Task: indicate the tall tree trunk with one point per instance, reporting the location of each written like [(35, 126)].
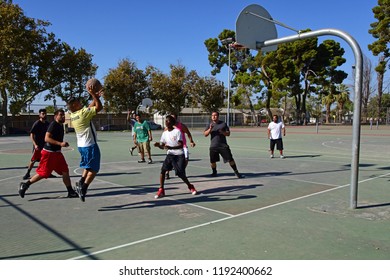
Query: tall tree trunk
[(380, 93), (327, 113), (268, 104), (4, 112)]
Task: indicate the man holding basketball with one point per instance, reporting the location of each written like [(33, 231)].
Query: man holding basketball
[(275, 130), (81, 118)]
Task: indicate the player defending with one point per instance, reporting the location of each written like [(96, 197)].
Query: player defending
[(81, 118), (51, 157), (184, 130), (218, 144), (171, 140), (37, 135)]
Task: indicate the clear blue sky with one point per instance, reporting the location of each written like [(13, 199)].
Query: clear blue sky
[(160, 33)]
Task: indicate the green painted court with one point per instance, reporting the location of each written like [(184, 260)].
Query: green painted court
[(292, 208)]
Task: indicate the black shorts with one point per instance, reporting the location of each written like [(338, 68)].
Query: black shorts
[(224, 151), (174, 162), (278, 143)]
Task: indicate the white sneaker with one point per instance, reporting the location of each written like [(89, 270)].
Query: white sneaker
[(271, 156), (282, 156)]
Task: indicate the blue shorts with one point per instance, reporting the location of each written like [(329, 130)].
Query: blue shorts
[(90, 157)]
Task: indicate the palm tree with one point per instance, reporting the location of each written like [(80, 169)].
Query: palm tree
[(342, 97), (328, 100)]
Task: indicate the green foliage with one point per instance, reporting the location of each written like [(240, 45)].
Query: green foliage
[(380, 29), (33, 61), (244, 76), (208, 93), (372, 108), (50, 109), (169, 91), (125, 87)]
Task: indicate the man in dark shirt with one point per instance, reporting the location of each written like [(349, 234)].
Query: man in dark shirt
[(52, 158), (218, 145), (37, 135)]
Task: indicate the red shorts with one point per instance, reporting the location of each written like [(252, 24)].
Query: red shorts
[(36, 156), (52, 161)]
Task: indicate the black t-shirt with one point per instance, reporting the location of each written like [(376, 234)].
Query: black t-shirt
[(39, 130), (57, 133), (218, 139)]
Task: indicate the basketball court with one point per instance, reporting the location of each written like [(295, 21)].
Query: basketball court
[(284, 209)]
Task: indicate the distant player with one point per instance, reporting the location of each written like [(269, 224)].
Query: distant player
[(52, 158), (142, 137), (37, 135), (275, 130)]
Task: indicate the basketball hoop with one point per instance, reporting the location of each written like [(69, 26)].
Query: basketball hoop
[(252, 32)]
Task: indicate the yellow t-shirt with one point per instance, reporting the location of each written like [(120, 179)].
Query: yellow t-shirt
[(83, 126)]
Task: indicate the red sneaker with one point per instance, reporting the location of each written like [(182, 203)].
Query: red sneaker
[(160, 193), (193, 190)]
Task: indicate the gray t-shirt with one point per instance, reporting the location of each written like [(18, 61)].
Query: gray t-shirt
[(218, 139)]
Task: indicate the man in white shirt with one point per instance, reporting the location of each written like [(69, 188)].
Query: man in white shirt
[(171, 140), (275, 130)]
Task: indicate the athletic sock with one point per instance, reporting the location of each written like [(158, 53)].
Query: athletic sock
[(234, 166), (82, 180), (84, 188), (214, 170), (28, 183)]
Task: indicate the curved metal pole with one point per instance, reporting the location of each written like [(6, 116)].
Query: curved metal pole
[(358, 94), (228, 99)]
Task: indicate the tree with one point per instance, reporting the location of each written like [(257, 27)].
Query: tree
[(342, 98), (33, 61), (329, 57), (367, 88), (297, 69), (206, 92), (125, 87), (373, 111), (169, 91), (272, 76), (222, 51), (328, 100), (380, 30), (73, 69)]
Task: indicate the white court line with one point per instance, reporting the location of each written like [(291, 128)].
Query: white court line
[(10, 178), (304, 181), (325, 144), (219, 220)]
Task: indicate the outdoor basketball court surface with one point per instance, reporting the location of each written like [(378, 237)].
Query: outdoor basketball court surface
[(297, 208)]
